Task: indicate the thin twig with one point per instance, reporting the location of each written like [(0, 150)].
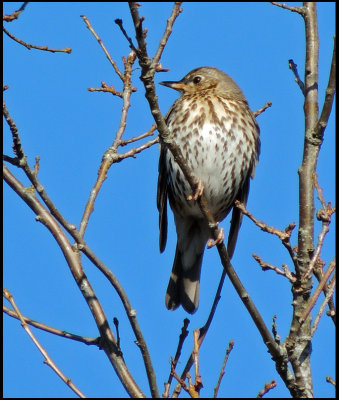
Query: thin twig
[(48, 359), (282, 235), (71, 255), (275, 330), (52, 225), (175, 13), (204, 329), (330, 380), (15, 14), (150, 132), (174, 362), (267, 388), (118, 21), (177, 377), (329, 97), (110, 59), (17, 147), (294, 69), (116, 324), (29, 46), (131, 153), (318, 273), (323, 215), (298, 10), (197, 382), (107, 89), (108, 157), (316, 254), (316, 294), (262, 109), (266, 266), (329, 294), (319, 191), (58, 332), (222, 371)]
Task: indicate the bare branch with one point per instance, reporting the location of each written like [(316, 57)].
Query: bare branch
[(116, 69), (298, 10), (73, 260), (15, 14), (298, 343), (266, 266), (107, 89), (131, 45), (129, 384), (17, 147), (267, 388), (177, 377), (58, 332), (182, 337), (175, 13), (29, 46), (275, 330), (330, 380), (316, 254), (147, 77), (116, 324), (195, 390), (294, 69), (263, 226), (323, 215), (318, 273), (319, 191), (222, 372), (316, 294), (108, 157), (262, 109), (329, 97), (150, 132), (284, 236), (48, 359), (131, 153), (328, 296)]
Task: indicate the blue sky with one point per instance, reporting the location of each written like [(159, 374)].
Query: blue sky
[(70, 128)]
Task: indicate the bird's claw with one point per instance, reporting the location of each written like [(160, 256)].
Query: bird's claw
[(199, 189), (220, 238)]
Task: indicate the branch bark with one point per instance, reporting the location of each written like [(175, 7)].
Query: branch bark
[(73, 260)]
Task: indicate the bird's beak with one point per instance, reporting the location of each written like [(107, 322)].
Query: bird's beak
[(175, 85)]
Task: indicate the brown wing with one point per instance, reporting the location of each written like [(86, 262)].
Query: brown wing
[(242, 196), (237, 218), (162, 198), (163, 188)]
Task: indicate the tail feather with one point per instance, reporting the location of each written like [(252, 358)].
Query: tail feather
[(184, 285)]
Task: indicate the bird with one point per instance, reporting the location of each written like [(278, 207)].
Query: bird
[(218, 136)]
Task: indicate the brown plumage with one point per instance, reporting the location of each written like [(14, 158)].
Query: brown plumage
[(219, 138)]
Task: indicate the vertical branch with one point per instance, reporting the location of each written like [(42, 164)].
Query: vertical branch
[(299, 341), (311, 144)]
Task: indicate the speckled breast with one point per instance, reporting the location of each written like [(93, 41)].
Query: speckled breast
[(218, 138)]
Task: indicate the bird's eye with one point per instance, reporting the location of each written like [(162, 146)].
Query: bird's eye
[(197, 79)]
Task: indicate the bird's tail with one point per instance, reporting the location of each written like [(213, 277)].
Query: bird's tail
[(184, 285)]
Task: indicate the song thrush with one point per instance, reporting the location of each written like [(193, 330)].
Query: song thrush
[(219, 138)]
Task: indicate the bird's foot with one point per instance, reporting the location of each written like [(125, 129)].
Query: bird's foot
[(199, 189), (220, 238)]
